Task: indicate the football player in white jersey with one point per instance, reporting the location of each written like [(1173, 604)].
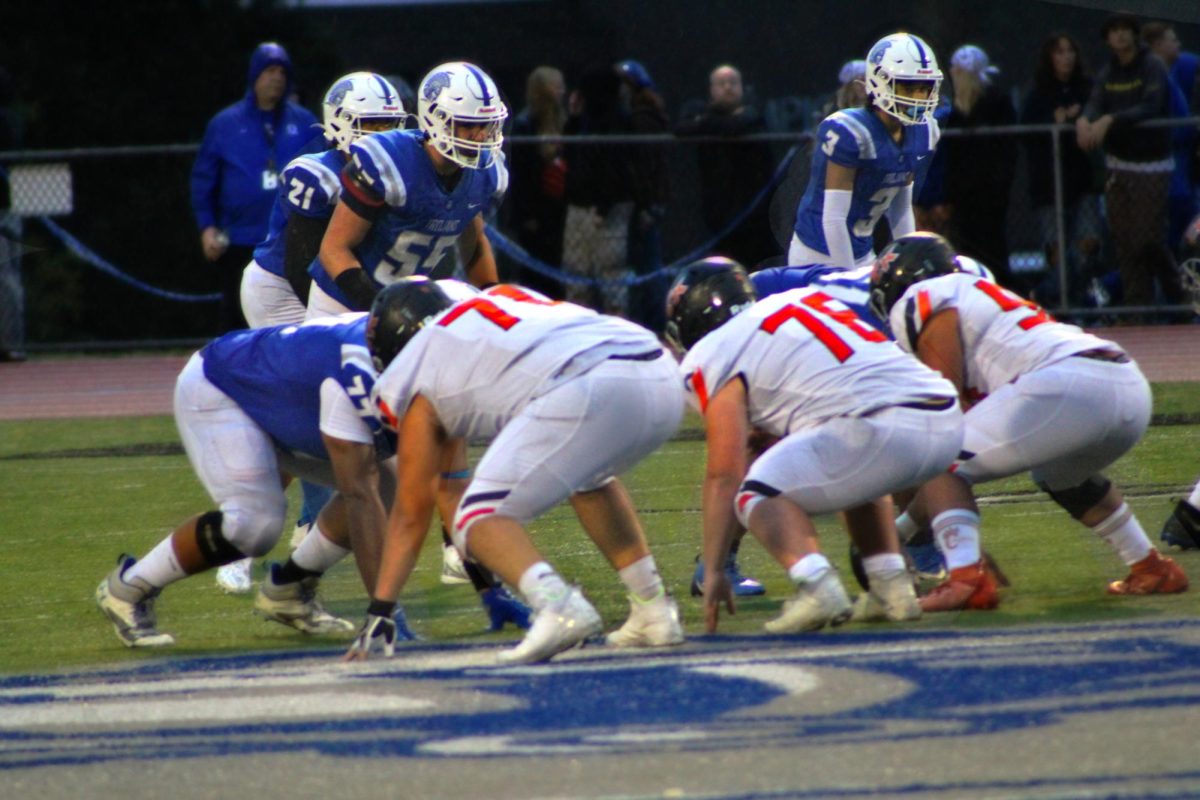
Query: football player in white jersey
[(857, 420), (570, 399), (1042, 396)]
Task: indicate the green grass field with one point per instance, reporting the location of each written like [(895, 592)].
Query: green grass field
[(76, 493)]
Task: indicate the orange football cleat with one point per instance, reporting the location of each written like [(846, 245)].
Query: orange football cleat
[(1154, 574), (971, 587)]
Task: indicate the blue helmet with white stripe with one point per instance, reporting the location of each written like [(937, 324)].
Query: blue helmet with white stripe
[(357, 99), (460, 110), (899, 68)]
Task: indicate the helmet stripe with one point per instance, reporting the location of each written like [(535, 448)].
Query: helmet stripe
[(487, 97), (921, 52), (384, 89)]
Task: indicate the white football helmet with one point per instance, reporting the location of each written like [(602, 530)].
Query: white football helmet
[(357, 98), (897, 60), (456, 94)]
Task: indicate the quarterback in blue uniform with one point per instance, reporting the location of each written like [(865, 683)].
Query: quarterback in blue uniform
[(865, 158), (407, 196)]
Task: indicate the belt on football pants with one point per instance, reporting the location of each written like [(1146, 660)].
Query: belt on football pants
[(1114, 356), (649, 355)]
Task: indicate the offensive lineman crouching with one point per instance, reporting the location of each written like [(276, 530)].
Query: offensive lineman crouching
[(572, 399)]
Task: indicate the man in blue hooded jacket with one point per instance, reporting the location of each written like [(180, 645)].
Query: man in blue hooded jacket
[(234, 178)]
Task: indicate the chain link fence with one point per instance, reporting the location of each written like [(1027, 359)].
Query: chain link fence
[(102, 247)]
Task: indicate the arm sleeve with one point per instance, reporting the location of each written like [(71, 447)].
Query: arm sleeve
[(300, 248), (900, 212), (833, 221)]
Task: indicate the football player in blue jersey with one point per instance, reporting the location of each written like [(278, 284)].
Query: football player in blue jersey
[(408, 196), (275, 282), (865, 158), (242, 442)]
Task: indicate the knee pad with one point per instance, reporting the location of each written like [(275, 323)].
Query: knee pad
[(210, 539), (750, 494), (1077, 500)]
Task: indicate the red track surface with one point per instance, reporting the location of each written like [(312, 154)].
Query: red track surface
[(140, 385)]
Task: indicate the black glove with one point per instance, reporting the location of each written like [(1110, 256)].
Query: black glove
[(379, 629)]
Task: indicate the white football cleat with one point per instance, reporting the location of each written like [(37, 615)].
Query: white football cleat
[(130, 608), (556, 628), (651, 623), (816, 604), (891, 598), (235, 578), (296, 605), (453, 571)]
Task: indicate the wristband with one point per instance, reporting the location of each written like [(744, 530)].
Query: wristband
[(461, 475), (358, 288), (381, 608)]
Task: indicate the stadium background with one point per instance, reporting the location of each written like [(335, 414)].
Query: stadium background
[(141, 79)]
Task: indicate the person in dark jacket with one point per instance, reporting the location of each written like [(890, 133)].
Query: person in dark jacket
[(1130, 88), (235, 175), (1061, 87)]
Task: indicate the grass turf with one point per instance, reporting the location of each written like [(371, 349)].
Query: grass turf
[(78, 492)]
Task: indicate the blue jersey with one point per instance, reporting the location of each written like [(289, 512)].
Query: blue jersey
[(419, 219), (851, 286), (857, 139), (308, 186), (275, 376)]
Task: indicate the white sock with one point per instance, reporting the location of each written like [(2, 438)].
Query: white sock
[(809, 569), (316, 553), (883, 563), (1124, 534), (906, 527), (642, 580), (542, 586), (158, 568), (957, 535), (1194, 498)]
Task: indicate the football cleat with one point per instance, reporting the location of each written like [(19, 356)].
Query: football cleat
[(742, 586), (651, 623), (971, 587), (815, 605), (130, 608), (501, 607), (891, 598), (296, 605), (1182, 528), (234, 578), (453, 571), (556, 628), (1154, 574)]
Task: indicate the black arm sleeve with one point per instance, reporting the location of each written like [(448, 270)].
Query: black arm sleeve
[(358, 287), (301, 246)]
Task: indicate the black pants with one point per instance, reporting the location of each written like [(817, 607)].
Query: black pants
[(229, 268)]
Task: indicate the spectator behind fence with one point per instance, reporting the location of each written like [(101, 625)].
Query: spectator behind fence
[(979, 168), (600, 194), (732, 173), (1061, 87), (1163, 42), (235, 176), (1130, 88), (537, 201), (651, 190), (12, 292)]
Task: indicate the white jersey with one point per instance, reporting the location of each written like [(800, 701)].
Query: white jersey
[(805, 358), (1003, 335), (483, 359)]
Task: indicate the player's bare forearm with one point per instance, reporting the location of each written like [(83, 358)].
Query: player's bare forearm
[(346, 231), (940, 347), (356, 473), (476, 251)]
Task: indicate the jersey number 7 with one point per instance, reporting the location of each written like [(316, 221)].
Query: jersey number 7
[(820, 303)]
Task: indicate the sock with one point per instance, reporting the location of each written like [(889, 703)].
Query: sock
[(291, 572), (883, 563), (906, 527), (809, 569), (957, 535), (642, 580), (542, 586), (1193, 499), (158, 568), (316, 553), (1125, 535)]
